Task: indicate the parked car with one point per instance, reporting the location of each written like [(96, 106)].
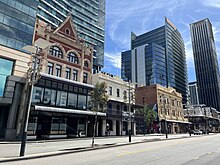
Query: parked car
[(197, 132)]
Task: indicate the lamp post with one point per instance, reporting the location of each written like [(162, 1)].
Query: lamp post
[(33, 74), (129, 109), (165, 120)]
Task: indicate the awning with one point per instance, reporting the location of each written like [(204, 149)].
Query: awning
[(177, 121), (64, 110)]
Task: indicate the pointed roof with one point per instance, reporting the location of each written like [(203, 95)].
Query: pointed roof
[(67, 28)]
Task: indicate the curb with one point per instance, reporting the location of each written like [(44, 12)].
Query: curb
[(83, 149)]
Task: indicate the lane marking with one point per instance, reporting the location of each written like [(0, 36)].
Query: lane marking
[(209, 153), (196, 158)]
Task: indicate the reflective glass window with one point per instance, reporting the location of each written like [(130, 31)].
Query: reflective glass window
[(6, 67), (37, 96), (72, 100), (82, 101), (61, 98)]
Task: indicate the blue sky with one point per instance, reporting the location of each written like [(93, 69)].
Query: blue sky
[(140, 16)]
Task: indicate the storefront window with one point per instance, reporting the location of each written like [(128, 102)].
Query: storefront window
[(58, 126), (82, 101), (72, 100), (49, 96), (61, 98), (37, 95)]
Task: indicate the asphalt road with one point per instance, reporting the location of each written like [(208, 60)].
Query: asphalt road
[(201, 150)]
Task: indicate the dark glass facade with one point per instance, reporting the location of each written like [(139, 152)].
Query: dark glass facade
[(155, 64), (206, 63), (17, 21), (88, 17), (169, 46), (126, 65)]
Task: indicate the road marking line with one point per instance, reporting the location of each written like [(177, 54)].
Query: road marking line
[(196, 158), (209, 153)]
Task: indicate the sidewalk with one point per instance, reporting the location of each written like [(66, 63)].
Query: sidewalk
[(35, 149)]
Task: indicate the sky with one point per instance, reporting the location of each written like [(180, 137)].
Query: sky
[(141, 16)]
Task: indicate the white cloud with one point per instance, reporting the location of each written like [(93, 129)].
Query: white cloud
[(211, 3), (114, 59)]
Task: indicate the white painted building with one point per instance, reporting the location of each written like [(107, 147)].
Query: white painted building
[(118, 105)]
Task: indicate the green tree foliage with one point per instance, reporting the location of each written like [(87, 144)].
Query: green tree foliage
[(99, 97), (149, 115), (98, 101)]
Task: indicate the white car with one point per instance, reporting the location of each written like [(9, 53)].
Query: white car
[(197, 132)]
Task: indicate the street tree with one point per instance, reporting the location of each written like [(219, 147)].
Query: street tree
[(98, 101), (149, 116)]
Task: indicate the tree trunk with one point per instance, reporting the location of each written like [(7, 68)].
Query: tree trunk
[(94, 130)]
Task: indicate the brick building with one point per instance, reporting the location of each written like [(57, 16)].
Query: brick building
[(168, 105)]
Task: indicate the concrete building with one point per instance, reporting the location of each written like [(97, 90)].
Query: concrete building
[(206, 63), (193, 93), (118, 108), (88, 17), (169, 107), (157, 57)]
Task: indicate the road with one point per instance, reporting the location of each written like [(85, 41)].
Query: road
[(199, 150)]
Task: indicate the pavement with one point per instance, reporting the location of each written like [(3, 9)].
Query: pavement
[(45, 148)]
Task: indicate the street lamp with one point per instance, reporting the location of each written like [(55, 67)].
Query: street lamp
[(129, 109), (165, 120), (33, 74)]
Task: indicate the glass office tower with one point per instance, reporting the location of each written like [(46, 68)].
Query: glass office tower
[(88, 17), (206, 63), (17, 20), (161, 52)]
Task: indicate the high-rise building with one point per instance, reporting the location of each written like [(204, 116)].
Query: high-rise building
[(206, 63), (88, 17), (158, 57), (126, 65), (17, 20), (193, 93)]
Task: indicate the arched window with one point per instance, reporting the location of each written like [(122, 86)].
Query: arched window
[(56, 51), (67, 31), (72, 57), (86, 64)]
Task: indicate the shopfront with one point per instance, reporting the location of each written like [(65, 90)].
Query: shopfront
[(60, 109)]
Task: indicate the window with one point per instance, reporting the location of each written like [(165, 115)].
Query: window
[(68, 73), (125, 95), (143, 100), (56, 51), (61, 98), (58, 70), (58, 126), (86, 64), (82, 101), (118, 92), (110, 90), (109, 106), (75, 74), (72, 100), (72, 57), (67, 31), (37, 96), (85, 77), (5, 70), (50, 68)]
